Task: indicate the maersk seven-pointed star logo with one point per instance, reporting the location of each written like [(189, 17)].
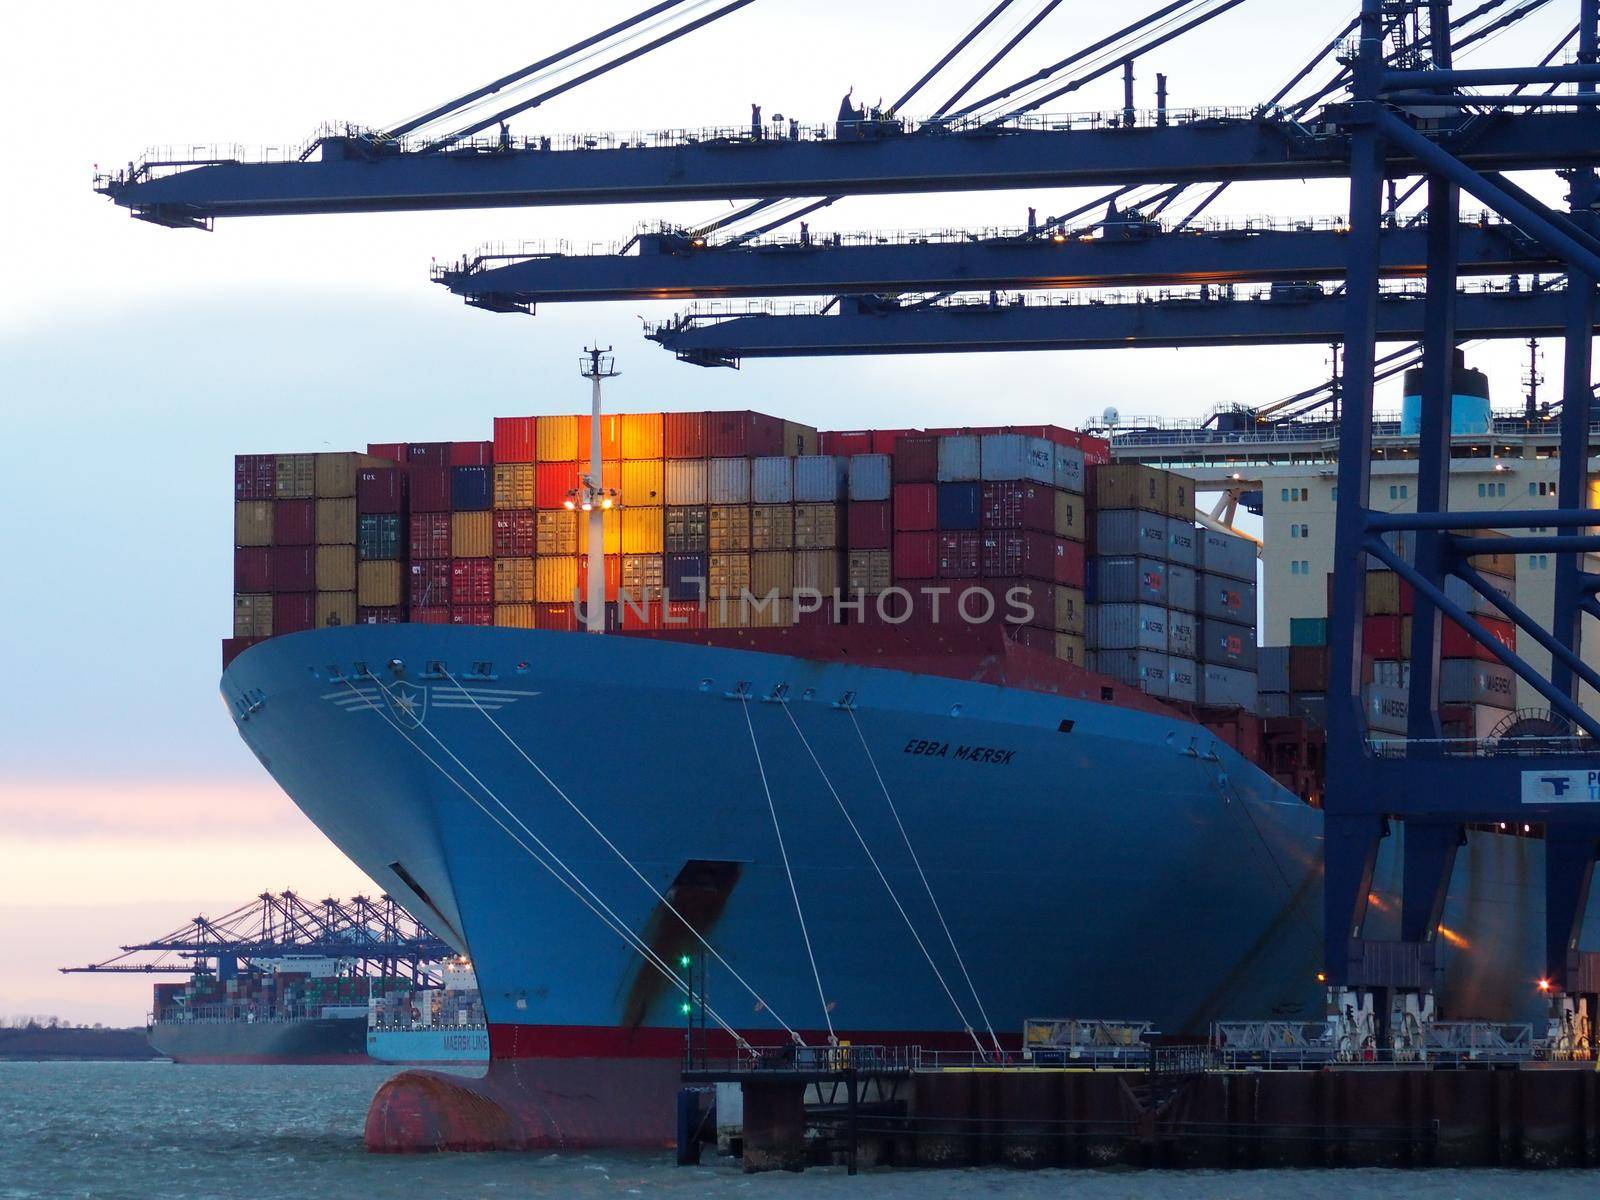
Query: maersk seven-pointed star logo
[(408, 703)]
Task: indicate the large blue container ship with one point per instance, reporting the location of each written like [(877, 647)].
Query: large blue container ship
[(552, 803)]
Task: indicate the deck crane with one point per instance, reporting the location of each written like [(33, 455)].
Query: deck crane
[(1398, 106)]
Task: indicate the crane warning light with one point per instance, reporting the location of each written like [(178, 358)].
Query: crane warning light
[(1544, 985)]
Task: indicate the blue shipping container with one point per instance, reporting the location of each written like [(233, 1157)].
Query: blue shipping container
[(685, 576), (1308, 631), (959, 505), (470, 489)]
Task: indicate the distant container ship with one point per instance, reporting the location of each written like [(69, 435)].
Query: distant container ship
[(792, 756), (430, 1026)]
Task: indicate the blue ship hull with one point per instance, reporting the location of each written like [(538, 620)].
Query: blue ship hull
[(1090, 860)]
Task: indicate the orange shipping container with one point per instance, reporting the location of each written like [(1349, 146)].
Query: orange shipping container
[(556, 531), (557, 439), (642, 530), (471, 535), (514, 485), (252, 615), (772, 527), (297, 476), (513, 581), (252, 526), (336, 522), (641, 435), (555, 579), (611, 528), (514, 616), (336, 608), (643, 482), (378, 584), (336, 569)]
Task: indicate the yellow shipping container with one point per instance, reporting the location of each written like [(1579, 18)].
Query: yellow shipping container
[(818, 570), (336, 472), (611, 527), (641, 435), (772, 572), (556, 531), (643, 482), (378, 584), (336, 522), (1130, 485), (1069, 516), (556, 579), (252, 614), (336, 568), (514, 616), (513, 485), (729, 527), (1070, 648), (1069, 609), (336, 608), (252, 526), (868, 571), (513, 581), (1383, 594), (297, 476), (641, 574), (769, 615), (471, 535), (727, 574), (799, 439), (557, 439), (817, 526), (642, 530), (1180, 496), (772, 527)]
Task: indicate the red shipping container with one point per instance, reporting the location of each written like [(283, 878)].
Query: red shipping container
[(1029, 554), (294, 522), (294, 569), (559, 617), (430, 488), (231, 649), (378, 616), (1017, 602), (884, 440), (395, 452), (252, 569), (1096, 451), (428, 454), (293, 611), (1071, 566), (642, 612), (1456, 642), (472, 614), (610, 436), (916, 506), (684, 435), (845, 442), (916, 555), (916, 459), (471, 582), (869, 525), (742, 435), (685, 614), (514, 533), (960, 554), (429, 585), (431, 616), (1041, 640), (430, 535), (472, 454), (1380, 637), (379, 490), (514, 439), (553, 483), (1018, 506), (255, 476), (613, 576)]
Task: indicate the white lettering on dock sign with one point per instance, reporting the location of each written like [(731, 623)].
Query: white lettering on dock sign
[(1561, 787)]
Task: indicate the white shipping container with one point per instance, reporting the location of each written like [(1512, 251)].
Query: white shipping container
[(1012, 457), (1130, 531), (1183, 542), (771, 481), (958, 458), (1183, 633), (819, 478), (1386, 708), (1225, 554), (1068, 468), (1129, 627), (1144, 669), (728, 481), (1387, 672), (1183, 588), (1464, 594), (1183, 678), (1228, 685), (686, 481), (1468, 681), (871, 476)]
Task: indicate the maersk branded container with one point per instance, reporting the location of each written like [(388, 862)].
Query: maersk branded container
[(428, 583), (728, 481), (916, 459), (687, 530), (869, 525), (254, 478), (1071, 516), (1183, 678), (1183, 588), (684, 436), (471, 581), (960, 555), (772, 527), (515, 485), (642, 436), (1227, 554), (870, 477), (556, 439), (820, 478), (818, 526), (430, 535), (429, 488), (1130, 485), (1130, 627), (1016, 456), (514, 533), (1227, 685), (1387, 709), (294, 522), (960, 458), (514, 581), (869, 571), (1018, 505), (1071, 612), (296, 477), (1467, 681), (1183, 633), (1227, 644), (685, 575), (1067, 470), (771, 482), (1463, 593), (1227, 599), (1143, 669), (294, 568), (378, 536), (643, 482), (685, 481), (1183, 542), (1127, 579), (960, 505), (916, 506), (336, 522), (516, 439), (916, 555), (1130, 531)]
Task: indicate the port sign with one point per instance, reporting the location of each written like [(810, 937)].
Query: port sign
[(1561, 787)]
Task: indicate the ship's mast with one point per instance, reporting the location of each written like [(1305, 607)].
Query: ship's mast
[(597, 364)]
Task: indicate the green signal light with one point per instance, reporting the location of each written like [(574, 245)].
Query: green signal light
[(684, 1008), (684, 960)]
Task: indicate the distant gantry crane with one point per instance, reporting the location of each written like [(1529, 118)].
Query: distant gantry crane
[(1395, 117)]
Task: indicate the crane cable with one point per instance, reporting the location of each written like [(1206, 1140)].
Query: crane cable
[(603, 911), (783, 852), (882, 878), (612, 846), (927, 887)]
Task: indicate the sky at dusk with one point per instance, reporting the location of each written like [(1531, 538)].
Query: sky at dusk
[(136, 361)]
